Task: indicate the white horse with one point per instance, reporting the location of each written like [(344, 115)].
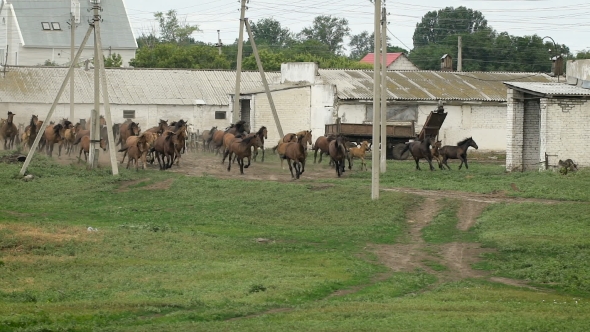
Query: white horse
[(191, 142)]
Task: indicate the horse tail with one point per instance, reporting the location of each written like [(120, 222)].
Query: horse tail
[(124, 149), (406, 148), (274, 149)]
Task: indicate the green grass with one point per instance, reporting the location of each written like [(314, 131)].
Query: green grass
[(187, 258)]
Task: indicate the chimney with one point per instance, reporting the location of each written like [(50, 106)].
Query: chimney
[(446, 63)]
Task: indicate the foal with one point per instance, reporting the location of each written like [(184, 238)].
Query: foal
[(457, 152)]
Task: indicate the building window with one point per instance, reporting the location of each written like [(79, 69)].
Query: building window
[(128, 114), (46, 25), (219, 115), (55, 26)]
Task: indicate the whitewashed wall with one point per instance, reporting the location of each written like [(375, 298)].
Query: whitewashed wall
[(293, 109), (321, 108), (37, 56), (402, 63)]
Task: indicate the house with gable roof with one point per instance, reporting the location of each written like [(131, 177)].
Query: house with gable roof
[(33, 32), (395, 61)]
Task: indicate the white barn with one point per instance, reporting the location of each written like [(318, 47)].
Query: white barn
[(548, 122), (310, 98), (33, 32)]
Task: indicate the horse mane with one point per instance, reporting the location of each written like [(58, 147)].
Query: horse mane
[(261, 130), (32, 123), (464, 141), (57, 128), (67, 124), (178, 124), (248, 138)]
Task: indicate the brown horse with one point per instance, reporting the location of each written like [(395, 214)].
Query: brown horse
[(435, 153), (30, 132), (54, 133), (148, 138), (85, 146), (165, 149), (160, 128), (359, 153), (458, 151), (421, 149), (179, 128), (262, 135), (292, 137), (127, 129), (207, 136), (338, 154), (217, 140), (322, 145), (295, 152), (8, 131), (303, 137), (241, 148), (138, 149)]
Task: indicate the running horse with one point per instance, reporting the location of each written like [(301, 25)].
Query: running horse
[(127, 129), (8, 131), (235, 129), (458, 151), (338, 154), (241, 148), (295, 154), (207, 136), (421, 149), (321, 145), (262, 134), (54, 133)]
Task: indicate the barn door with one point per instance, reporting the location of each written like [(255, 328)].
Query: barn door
[(245, 111)]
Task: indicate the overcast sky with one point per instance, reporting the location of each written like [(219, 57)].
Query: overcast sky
[(566, 21)]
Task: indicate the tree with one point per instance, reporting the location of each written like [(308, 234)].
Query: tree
[(268, 31), (114, 60), (176, 56), (49, 63), (328, 30), (361, 44), (172, 30), (436, 26), (583, 54)]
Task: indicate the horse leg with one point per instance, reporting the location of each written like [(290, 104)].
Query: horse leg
[(430, 163), (225, 154), (228, 163), (444, 162), (315, 155), (465, 158), (80, 156), (241, 163), (262, 148), (248, 162), (290, 167), (124, 155), (297, 167), (128, 162), (417, 164)]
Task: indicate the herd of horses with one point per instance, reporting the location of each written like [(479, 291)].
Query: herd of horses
[(166, 144)]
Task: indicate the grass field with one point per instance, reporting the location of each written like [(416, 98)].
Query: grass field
[(184, 253)]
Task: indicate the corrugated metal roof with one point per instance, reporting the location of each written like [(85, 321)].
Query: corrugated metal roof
[(391, 57), (428, 85), (129, 86), (115, 29), (550, 89)]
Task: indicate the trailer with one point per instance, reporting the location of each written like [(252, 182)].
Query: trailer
[(396, 132)]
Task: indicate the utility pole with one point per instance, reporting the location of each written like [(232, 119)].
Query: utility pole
[(383, 145), (376, 106), (263, 77), (74, 19), (459, 55), (219, 43), (236, 111), (94, 152)]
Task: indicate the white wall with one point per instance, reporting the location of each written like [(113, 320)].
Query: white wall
[(402, 63), (352, 113), (299, 72), (321, 108), (293, 108)]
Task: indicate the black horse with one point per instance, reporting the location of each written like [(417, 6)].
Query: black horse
[(457, 152), (421, 149)]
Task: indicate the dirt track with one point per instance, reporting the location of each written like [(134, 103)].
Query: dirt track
[(456, 257)]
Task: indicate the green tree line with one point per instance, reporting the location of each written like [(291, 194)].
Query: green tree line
[(484, 49)]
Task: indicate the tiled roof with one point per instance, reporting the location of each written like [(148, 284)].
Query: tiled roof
[(391, 57)]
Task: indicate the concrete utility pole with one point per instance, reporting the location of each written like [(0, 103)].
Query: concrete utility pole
[(236, 111), (459, 55), (376, 106), (219, 43), (383, 150), (263, 77), (94, 152), (74, 19)]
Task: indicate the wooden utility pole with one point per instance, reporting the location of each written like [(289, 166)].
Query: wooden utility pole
[(383, 145), (376, 106), (236, 111), (459, 55), (263, 77)]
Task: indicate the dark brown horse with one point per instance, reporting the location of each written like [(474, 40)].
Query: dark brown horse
[(127, 129), (338, 154), (262, 135), (8, 131), (165, 149), (179, 128), (322, 146), (55, 134), (160, 128), (295, 154), (458, 151), (30, 133), (237, 128), (241, 148), (421, 149)]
